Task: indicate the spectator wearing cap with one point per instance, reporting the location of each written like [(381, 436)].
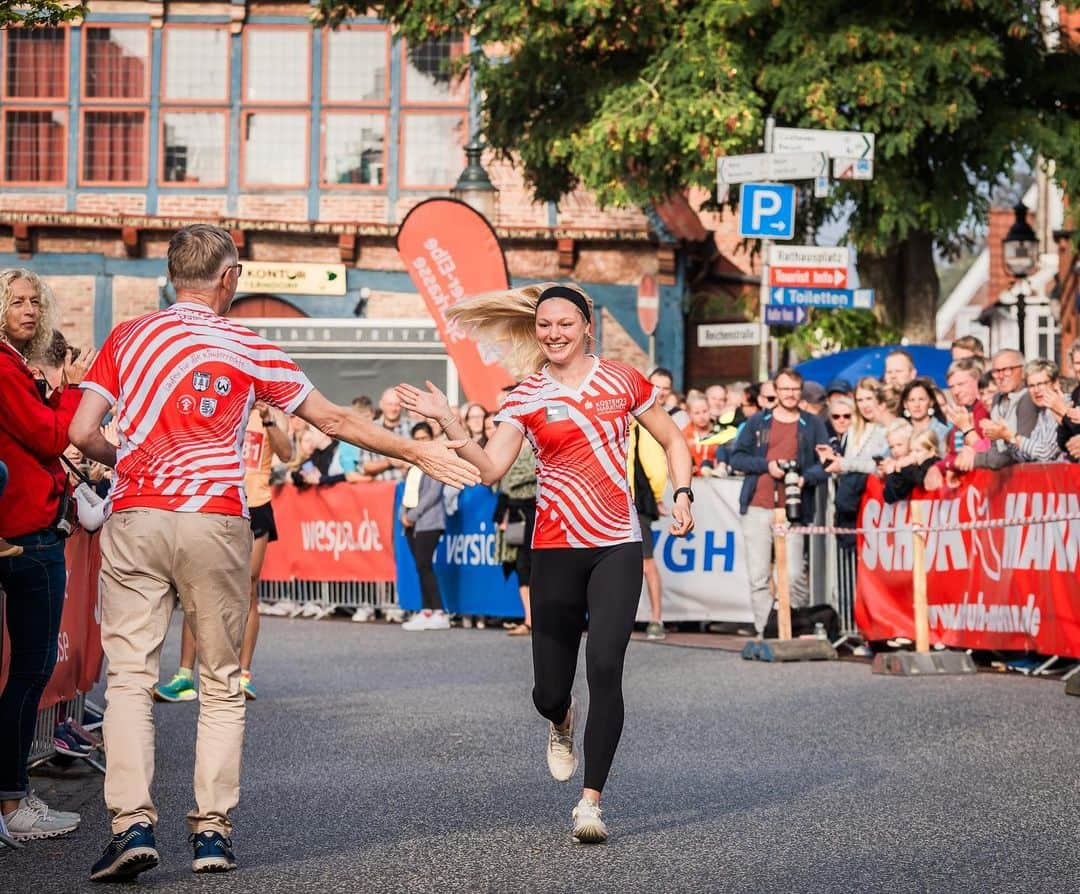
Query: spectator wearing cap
[(899, 368), (813, 397)]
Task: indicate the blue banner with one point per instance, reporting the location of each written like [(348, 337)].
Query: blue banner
[(470, 577)]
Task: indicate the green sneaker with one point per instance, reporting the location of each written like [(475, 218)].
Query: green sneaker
[(179, 689), (248, 686)]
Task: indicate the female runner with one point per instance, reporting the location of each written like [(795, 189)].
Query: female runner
[(575, 409)]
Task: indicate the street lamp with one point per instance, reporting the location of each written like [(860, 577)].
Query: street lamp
[(1020, 252), (474, 187)]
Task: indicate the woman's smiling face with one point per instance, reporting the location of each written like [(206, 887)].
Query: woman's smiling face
[(561, 330)]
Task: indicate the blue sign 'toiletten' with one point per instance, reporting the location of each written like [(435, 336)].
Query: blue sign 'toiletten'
[(767, 210), (785, 296)]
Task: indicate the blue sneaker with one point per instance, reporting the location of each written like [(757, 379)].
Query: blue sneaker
[(129, 853), (213, 852)]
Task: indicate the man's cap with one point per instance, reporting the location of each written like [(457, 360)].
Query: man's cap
[(839, 386), (813, 393)]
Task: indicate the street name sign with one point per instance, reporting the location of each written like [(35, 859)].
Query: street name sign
[(784, 316), (834, 143), (809, 256), (771, 166), (853, 168), (825, 277), (767, 211), (728, 335), (860, 299)]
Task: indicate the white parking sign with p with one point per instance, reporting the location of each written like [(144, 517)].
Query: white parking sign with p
[(767, 211)]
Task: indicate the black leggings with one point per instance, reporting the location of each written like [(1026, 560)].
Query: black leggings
[(422, 545), (603, 584)]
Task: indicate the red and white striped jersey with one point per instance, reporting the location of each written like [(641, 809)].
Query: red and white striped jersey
[(184, 380), (580, 440)]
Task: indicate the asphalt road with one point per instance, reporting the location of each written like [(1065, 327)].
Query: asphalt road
[(379, 760)]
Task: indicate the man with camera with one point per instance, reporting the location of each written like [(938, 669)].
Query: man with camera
[(776, 451)]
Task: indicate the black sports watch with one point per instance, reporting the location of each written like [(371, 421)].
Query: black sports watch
[(683, 490)]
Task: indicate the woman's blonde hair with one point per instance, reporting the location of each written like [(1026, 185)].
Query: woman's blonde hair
[(507, 320), (48, 317)]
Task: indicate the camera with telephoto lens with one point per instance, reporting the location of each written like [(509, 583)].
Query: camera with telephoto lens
[(792, 489)]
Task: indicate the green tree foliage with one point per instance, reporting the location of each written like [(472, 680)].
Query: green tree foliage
[(634, 99), (33, 13)]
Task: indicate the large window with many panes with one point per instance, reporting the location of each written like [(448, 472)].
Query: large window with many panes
[(35, 117), (356, 106), (115, 93), (277, 98), (434, 114), (194, 106)]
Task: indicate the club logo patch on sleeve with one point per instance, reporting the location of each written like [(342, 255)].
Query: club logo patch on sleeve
[(200, 381), (207, 406), (223, 385)]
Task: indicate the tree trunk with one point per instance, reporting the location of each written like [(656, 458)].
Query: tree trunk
[(906, 282)]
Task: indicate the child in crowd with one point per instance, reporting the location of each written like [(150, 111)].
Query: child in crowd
[(912, 462)]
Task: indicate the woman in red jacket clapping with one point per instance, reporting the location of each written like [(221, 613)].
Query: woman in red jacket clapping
[(33, 434)]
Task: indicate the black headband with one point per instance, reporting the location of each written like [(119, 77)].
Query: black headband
[(572, 295)]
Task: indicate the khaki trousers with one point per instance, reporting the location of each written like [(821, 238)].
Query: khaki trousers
[(148, 557)]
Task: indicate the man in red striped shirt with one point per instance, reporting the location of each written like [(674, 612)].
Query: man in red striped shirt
[(183, 381)]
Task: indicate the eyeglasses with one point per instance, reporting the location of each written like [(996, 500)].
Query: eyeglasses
[(841, 415), (794, 389), (1043, 384), (239, 268), (1001, 370), (767, 397)]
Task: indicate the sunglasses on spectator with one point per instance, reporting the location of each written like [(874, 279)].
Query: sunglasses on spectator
[(768, 397), (841, 415)]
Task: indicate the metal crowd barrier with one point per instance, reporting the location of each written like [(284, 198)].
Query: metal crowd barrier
[(338, 594), (41, 748)]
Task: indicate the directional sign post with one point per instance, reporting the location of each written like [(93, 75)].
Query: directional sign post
[(784, 316), (834, 143), (767, 211), (860, 299), (766, 166)]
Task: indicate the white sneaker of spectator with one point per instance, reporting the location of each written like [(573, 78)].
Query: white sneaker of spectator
[(363, 614), (427, 620)]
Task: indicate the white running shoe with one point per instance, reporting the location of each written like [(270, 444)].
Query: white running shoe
[(589, 828), (45, 810), (419, 621), (27, 823), (438, 621), (561, 760)]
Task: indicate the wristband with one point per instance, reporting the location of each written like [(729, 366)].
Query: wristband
[(684, 490), (448, 421), (269, 423), (970, 431)]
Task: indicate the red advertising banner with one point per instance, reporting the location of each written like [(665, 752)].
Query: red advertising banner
[(452, 253), (344, 532), (79, 653), (1009, 588)]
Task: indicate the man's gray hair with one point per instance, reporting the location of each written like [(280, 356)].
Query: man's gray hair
[(970, 365), (197, 254), (1018, 356)]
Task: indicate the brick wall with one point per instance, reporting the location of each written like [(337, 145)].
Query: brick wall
[(516, 205), (79, 241), (133, 296), (618, 345), (533, 261), (170, 205), (75, 299), (378, 255), (26, 201), (292, 247), (1001, 219), (353, 206), (110, 203), (271, 206), (615, 264)]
